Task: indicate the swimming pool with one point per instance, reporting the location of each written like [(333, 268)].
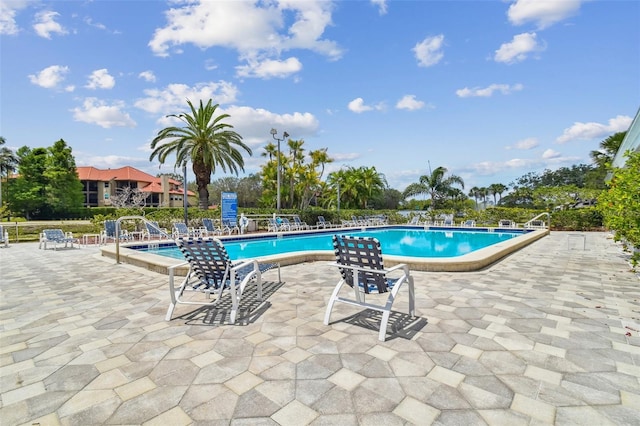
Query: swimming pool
[(408, 242), (476, 259)]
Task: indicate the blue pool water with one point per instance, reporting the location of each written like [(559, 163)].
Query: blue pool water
[(409, 242)]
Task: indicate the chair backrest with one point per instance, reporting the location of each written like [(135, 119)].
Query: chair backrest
[(297, 220), (364, 252), (181, 227), (208, 259), (53, 234), (110, 228), (231, 223), (153, 228), (321, 219), (208, 224)]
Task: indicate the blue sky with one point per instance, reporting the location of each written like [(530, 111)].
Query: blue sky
[(491, 90)]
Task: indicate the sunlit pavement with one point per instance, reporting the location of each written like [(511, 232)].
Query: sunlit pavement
[(550, 334)]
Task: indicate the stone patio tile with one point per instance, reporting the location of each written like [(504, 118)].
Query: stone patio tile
[(539, 410), (174, 417), (346, 379), (338, 419), (295, 413), (446, 376), (147, 405), (416, 412), (280, 392), (243, 382), (583, 415), (134, 389)]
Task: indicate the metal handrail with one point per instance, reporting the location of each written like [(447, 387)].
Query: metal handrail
[(540, 215), (145, 220)]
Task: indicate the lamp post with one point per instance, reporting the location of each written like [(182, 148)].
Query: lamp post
[(285, 135), (185, 202)]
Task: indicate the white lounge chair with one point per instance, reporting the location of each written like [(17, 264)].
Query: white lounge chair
[(4, 237), (109, 233), (212, 272), (153, 230), (321, 223), (361, 268), (55, 237)]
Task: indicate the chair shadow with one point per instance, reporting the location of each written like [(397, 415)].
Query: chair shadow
[(400, 325), (249, 309)]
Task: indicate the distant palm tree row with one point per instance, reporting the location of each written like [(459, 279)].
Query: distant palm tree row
[(484, 192)]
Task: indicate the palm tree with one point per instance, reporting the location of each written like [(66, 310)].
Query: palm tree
[(205, 140), (475, 193), (435, 184), (496, 189), (608, 149), (8, 163)]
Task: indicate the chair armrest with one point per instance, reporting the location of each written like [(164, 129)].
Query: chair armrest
[(402, 266), (178, 265), (244, 263)]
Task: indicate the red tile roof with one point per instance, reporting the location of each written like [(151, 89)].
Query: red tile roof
[(128, 173)]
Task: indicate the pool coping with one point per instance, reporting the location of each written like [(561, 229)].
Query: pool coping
[(473, 261)]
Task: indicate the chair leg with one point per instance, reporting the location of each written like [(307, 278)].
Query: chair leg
[(412, 298), (332, 300), (383, 325)]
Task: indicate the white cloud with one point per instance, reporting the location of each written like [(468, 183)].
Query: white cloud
[(173, 98), (8, 12), (148, 76), (543, 12), (358, 106), (520, 47), (95, 111), (591, 130), (50, 77), (101, 79), (254, 124), (526, 144), (550, 153), (429, 51), (46, 25), (270, 68), (98, 25), (256, 30), (486, 92), (409, 102), (382, 6)]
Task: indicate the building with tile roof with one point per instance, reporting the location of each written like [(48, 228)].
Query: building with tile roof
[(100, 185)]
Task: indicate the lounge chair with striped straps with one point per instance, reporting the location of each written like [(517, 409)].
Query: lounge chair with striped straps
[(212, 272), (361, 268)]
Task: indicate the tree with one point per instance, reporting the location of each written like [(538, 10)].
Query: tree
[(303, 174), (603, 157), (356, 186), (475, 193), (28, 195), (620, 204), (63, 187), (8, 163), (496, 189), (205, 140), (437, 185)]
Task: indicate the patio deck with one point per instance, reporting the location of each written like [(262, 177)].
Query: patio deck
[(549, 335)]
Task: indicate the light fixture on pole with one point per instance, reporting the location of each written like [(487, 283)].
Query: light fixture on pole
[(285, 135)]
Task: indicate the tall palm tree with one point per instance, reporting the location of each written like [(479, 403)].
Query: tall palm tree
[(8, 163), (608, 149), (475, 193), (436, 185), (205, 140), (496, 189)]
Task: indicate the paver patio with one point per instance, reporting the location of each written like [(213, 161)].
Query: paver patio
[(549, 335)]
